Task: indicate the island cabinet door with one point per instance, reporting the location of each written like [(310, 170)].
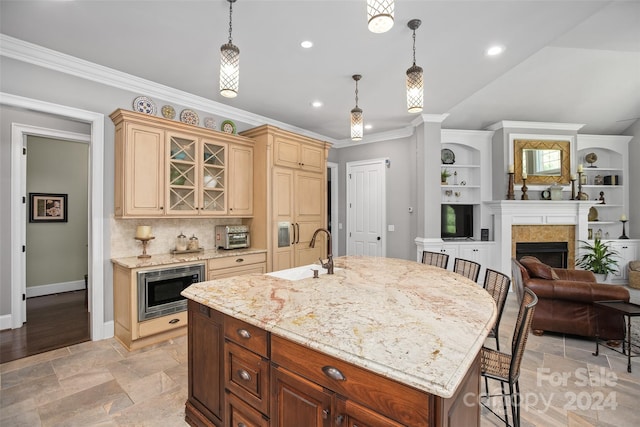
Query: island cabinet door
[(297, 402), (206, 381), (351, 414)]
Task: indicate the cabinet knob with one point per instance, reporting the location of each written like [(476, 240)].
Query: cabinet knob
[(244, 333), (325, 414), (244, 375), (333, 373), (174, 321), (240, 260), (242, 424), (339, 420)]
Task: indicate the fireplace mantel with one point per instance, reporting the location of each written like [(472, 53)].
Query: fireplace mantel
[(535, 212)]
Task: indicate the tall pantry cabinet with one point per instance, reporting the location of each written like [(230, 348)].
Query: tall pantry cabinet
[(290, 192)]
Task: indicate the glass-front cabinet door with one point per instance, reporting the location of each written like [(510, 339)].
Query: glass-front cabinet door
[(213, 196), (182, 170)]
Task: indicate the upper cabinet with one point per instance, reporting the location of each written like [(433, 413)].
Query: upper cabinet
[(166, 168), (290, 152)]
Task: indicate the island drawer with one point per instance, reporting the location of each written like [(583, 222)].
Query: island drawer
[(247, 375), (248, 336), (236, 261), (239, 413), (397, 401)]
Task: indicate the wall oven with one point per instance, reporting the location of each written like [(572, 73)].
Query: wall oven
[(159, 290)]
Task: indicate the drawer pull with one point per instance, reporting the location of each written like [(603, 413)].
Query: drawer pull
[(325, 414), (333, 373), (173, 321), (244, 375), (240, 260), (339, 420), (244, 333)]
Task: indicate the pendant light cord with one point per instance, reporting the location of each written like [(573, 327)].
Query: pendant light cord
[(356, 93), (414, 48), (230, 26)]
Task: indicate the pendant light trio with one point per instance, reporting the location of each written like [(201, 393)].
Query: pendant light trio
[(379, 20)]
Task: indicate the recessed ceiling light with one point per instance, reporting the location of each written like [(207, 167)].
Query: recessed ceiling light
[(306, 44), (495, 50), (316, 104), (367, 126)]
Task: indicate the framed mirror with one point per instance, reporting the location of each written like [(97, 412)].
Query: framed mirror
[(545, 162)]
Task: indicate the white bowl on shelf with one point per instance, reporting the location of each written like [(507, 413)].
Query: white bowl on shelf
[(210, 181)]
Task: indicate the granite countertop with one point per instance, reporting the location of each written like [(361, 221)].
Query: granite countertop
[(413, 323), (168, 259)]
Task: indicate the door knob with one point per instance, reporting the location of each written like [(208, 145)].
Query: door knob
[(378, 238)]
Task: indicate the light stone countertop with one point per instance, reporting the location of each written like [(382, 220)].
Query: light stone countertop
[(413, 323), (168, 259)]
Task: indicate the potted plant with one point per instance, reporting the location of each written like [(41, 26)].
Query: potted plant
[(444, 174), (598, 258)]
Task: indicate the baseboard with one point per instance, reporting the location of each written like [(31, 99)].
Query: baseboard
[(54, 288), (108, 329), (5, 322)]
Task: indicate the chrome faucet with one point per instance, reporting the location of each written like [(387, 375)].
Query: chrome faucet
[(329, 264)]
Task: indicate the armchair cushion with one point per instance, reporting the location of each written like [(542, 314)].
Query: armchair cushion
[(539, 269)]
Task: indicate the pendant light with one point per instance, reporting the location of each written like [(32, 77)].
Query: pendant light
[(380, 15), (356, 116), (415, 82), (229, 64)]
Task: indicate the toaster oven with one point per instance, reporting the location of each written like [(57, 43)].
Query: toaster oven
[(232, 236)]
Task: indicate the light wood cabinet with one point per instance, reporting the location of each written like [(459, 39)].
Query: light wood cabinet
[(167, 168), (290, 196), (219, 268), (269, 380)]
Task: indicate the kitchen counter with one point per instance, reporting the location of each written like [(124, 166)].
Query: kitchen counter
[(412, 323), (168, 259)]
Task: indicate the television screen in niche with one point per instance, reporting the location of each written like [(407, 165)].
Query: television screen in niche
[(456, 221)]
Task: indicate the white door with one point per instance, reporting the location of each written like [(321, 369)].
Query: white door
[(366, 216)]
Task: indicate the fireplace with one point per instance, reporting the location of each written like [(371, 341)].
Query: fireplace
[(551, 253)]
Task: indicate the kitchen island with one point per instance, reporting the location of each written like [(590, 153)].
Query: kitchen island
[(382, 342)]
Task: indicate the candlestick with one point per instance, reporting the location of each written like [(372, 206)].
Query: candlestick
[(623, 217), (580, 168), (145, 242), (524, 176), (510, 168), (510, 194), (624, 233), (579, 196), (524, 188)]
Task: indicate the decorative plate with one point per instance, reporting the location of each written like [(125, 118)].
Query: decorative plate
[(447, 156), (209, 123), (591, 158), (189, 117), (228, 126), (142, 104), (168, 112)]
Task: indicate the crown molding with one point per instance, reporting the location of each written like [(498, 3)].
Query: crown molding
[(377, 137), (429, 118), (573, 127), (21, 50)]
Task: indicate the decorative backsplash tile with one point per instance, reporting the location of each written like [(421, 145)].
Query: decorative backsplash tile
[(165, 231)]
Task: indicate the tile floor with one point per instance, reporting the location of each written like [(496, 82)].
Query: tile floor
[(102, 384)]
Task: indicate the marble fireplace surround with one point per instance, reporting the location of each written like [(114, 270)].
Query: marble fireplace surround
[(538, 221)]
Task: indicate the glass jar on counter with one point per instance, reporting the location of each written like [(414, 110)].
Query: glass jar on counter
[(181, 242)]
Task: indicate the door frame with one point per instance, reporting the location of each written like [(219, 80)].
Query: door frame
[(335, 235), (383, 200), (95, 232)]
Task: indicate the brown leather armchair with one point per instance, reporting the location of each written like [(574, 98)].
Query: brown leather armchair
[(565, 300)]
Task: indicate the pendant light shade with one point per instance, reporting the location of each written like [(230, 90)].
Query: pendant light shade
[(415, 81), (229, 64), (380, 15), (357, 121)]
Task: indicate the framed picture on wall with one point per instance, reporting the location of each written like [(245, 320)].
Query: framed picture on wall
[(47, 207)]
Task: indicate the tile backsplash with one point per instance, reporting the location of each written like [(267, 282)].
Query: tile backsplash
[(165, 231)]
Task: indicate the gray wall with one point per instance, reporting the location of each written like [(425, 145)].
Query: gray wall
[(634, 180), (57, 252), (400, 175), (8, 116)]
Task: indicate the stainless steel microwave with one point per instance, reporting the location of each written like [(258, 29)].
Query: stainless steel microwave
[(232, 236), (159, 290)]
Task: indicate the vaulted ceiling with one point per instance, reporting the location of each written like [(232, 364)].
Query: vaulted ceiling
[(565, 61)]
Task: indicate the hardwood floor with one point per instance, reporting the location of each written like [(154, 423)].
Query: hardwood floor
[(53, 321)]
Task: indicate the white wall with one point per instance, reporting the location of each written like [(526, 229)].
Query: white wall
[(634, 180)]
